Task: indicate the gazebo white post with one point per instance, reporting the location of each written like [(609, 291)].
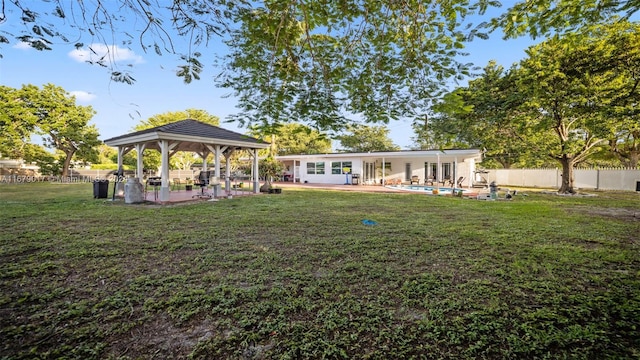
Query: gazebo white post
[(139, 163), (455, 173), (256, 180), (204, 155), (120, 156), (438, 171), (119, 188), (164, 170), (227, 172), (217, 188)]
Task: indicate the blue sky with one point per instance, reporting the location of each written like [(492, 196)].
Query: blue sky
[(157, 90)]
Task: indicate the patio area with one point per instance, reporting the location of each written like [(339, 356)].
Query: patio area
[(180, 196)]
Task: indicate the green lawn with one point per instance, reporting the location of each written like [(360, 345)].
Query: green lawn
[(298, 275)]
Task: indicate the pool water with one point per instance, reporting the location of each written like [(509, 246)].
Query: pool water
[(428, 189)]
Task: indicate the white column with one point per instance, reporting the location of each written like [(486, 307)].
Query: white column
[(119, 187), (217, 188), (227, 171), (438, 171), (455, 172), (256, 180), (204, 156), (140, 165), (121, 152), (165, 147)]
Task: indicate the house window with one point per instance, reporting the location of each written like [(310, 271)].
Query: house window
[(446, 170), (340, 167), (315, 168), (407, 171), (387, 169)]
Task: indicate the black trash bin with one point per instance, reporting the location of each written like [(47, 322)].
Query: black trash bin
[(100, 189), (355, 179)]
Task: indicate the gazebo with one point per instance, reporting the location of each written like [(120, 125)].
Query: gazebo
[(188, 135)]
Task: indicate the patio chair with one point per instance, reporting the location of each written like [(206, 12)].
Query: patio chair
[(414, 179), (445, 180), (459, 182), (429, 181), (203, 182), (393, 181)]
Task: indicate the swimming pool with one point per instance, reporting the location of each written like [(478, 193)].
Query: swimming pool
[(428, 189)]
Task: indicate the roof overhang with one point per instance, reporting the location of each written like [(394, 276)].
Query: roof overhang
[(187, 135), (464, 153), (186, 142)]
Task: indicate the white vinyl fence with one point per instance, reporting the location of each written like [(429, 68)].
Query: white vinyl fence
[(594, 179)]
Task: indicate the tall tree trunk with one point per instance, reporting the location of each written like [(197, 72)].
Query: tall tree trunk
[(567, 175), (634, 159), (67, 163)]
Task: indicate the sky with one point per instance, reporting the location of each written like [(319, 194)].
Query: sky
[(119, 107)]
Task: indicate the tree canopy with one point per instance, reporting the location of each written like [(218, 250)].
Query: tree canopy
[(322, 63), (50, 112), (364, 138), (539, 18), (312, 62)]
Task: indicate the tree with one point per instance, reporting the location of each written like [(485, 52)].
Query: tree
[(181, 159), (572, 83), (623, 59), (173, 116), (432, 130), (107, 154), (572, 95), (316, 62), (269, 168), (177, 28), (322, 62), (52, 113), (17, 123), (486, 115), (294, 138), (539, 18), (65, 126), (362, 138)]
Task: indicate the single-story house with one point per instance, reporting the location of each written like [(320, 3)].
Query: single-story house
[(379, 167)]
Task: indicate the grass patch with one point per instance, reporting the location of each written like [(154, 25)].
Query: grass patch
[(299, 276)]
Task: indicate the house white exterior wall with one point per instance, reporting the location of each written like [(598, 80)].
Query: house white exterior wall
[(368, 167)]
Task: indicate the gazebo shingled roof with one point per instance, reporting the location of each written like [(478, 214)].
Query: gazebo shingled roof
[(192, 135)]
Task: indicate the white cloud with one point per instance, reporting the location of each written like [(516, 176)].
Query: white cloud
[(22, 46), (107, 54), (82, 96)]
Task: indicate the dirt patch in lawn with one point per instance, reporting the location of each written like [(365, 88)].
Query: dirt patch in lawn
[(616, 213)]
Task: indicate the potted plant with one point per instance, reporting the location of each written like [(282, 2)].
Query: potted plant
[(270, 168), (189, 184)]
